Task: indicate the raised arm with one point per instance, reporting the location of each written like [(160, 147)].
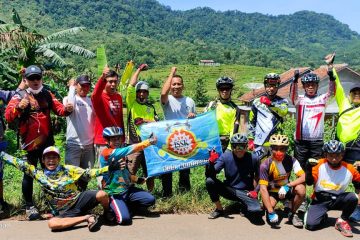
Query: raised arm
[(294, 91), (166, 87)]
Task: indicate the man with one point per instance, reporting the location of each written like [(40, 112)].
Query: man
[(266, 115), (348, 127), (108, 107), (241, 169), (275, 184), (79, 149), (124, 196), (59, 182), (331, 177), (5, 97), (31, 108), (176, 106), (139, 111), (227, 112), (310, 113)]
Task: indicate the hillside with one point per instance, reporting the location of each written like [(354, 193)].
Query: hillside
[(145, 30)]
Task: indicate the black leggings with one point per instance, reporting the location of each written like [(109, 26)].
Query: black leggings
[(33, 157)]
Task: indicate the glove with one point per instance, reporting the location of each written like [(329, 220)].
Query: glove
[(331, 75), (251, 145), (252, 194), (273, 217), (141, 180), (265, 100), (283, 190), (213, 156), (296, 75), (152, 139), (114, 165), (312, 161), (138, 121)]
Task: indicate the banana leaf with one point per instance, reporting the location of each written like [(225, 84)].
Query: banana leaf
[(101, 59), (126, 75)]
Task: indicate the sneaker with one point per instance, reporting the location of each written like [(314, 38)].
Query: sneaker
[(303, 207), (344, 227), (355, 216), (295, 220), (32, 213), (217, 213)]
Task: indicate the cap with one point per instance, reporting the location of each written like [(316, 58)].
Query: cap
[(142, 86), (355, 86), (83, 79), (51, 149), (33, 70)]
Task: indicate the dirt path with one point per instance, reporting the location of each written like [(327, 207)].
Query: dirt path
[(174, 227)]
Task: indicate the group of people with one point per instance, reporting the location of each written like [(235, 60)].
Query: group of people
[(254, 163)]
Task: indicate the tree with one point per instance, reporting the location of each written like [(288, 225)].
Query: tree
[(31, 47), (200, 95)]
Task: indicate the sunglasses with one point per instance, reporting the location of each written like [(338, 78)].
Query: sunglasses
[(34, 78), (279, 148), (239, 146), (224, 89)]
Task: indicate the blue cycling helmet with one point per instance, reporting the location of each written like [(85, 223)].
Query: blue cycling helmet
[(310, 77), (224, 81), (112, 132), (334, 146)]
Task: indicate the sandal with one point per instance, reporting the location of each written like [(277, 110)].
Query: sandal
[(94, 226)]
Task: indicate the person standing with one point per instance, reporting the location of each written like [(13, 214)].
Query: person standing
[(31, 108), (176, 106), (79, 149)]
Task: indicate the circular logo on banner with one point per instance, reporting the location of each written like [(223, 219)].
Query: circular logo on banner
[(181, 143)]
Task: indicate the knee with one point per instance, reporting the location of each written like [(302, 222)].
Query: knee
[(210, 181), (300, 190), (102, 196), (311, 227), (53, 223), (125, 220)]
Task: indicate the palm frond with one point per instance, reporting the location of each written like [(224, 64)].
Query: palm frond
[(63, 33), (68, 47), (16, 18), (54, 57)]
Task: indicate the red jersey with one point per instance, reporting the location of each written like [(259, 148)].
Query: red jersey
[(108, 109)]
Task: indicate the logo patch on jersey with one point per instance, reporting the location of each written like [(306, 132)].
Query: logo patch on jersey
[(318, 118)]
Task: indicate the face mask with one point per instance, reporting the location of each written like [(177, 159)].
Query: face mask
[(35, 91), (278, 155)]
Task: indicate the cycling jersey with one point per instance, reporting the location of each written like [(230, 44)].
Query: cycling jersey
[(264, 120), (310, 113), (225, 116), (333, 180), (275, 174), (60, 185), (136, 110), (119, 181), (348, 126)]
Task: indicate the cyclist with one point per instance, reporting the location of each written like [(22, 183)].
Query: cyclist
[(331, 177), (124, 197), (226, 110), (266, 115), (348, 127), (139, 111), (59, 183), (241, 170), (274, 181)]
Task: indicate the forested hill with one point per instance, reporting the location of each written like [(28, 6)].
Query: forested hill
[(155, 32)]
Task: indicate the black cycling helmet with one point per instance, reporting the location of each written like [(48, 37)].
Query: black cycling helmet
[(310, 77), (356, 86), (272, 78), (112, 132), (224, 81), (334, 146), (239, 138)]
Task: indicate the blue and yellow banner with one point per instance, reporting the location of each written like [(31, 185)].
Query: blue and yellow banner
[(181, 143)]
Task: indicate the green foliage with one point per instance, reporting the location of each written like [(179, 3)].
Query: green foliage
[(200, 94), (101, 59)]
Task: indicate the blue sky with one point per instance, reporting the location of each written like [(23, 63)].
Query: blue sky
[(346, 11)]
